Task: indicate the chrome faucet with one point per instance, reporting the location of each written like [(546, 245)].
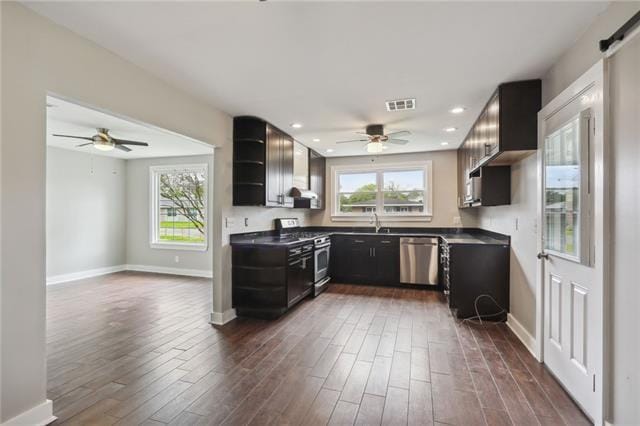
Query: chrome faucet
[(375, 219)]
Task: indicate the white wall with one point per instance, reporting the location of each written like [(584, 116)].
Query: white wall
[(139, 252), (86, 202), (625, 136), (625, 232), (445, 190), (39, 57)]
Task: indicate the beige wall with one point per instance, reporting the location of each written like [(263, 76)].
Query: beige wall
[(445, 190), (39, 57)]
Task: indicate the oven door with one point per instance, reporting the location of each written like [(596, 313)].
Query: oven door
[(321, 262)]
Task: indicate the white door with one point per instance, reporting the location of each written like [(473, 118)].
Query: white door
[(572, 219)]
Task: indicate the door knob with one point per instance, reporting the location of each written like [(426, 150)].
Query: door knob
[(543, 256)]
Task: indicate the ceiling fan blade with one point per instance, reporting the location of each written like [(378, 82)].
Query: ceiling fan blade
[(398, 141), (74, 137), (126, 142), (400, 133), (122, 148), (354, 140), (84, 144)]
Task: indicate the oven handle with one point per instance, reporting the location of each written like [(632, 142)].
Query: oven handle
[(323, 246)]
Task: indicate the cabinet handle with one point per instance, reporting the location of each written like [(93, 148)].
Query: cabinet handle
[(359, 241), (385, 242), (487, 149), (374, 252)]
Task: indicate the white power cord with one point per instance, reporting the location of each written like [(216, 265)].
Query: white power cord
[(478, 318)]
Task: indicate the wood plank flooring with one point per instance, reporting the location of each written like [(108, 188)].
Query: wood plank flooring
[(133, 348)]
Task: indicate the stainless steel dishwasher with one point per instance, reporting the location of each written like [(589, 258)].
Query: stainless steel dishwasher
[(419, 260)]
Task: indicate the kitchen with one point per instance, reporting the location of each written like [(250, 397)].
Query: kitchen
[(274, 270)]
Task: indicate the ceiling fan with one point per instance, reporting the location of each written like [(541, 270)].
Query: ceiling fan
[(375, 137), (104, 141)]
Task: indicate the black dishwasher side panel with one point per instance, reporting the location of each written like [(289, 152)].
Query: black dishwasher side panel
[(478, 272)]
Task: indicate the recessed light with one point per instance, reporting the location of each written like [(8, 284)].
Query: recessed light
[(385, 147), (457, 110), (450, 129), (329, 150), (296, 125), (316, 140), (444, 143)]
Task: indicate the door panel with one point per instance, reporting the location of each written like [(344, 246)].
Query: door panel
[(578, 324), (286, 170), (555, 318)]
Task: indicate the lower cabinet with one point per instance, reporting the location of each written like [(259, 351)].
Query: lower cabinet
[(365, 259), (477, 279)]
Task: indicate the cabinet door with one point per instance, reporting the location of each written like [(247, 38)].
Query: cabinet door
[(493, 123), (359, 262), (316, 178), (273, 180), (386, 256), (286, 169)]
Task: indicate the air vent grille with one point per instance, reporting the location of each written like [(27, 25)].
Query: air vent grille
[(401, 104)]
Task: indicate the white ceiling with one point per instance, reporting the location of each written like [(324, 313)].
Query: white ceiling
[(71, 119), (330, 65)]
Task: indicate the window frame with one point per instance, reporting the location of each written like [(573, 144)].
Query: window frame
[(154, 210), (379, 169)]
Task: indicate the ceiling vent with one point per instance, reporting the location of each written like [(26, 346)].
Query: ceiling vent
[(401, 104)]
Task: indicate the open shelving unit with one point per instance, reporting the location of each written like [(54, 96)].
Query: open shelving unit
[(249, 158)]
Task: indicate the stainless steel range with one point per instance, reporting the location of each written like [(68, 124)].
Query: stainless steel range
[(289, 230)]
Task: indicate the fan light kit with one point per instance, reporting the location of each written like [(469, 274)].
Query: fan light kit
[(103, 141), (376, 139), (457, 110)]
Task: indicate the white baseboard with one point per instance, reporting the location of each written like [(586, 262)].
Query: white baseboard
[(221, 318), (171, 271), (63, 278), (73, 276), (39, 415), (525, 337)]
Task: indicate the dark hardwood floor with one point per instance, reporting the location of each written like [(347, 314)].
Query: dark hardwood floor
[(133, 348)]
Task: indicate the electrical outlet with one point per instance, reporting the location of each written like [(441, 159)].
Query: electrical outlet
[(177, 259), (457, 221)]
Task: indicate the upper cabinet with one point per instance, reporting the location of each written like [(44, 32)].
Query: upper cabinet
[(317, 168), (262, 164), (300, 166), (505, 132)]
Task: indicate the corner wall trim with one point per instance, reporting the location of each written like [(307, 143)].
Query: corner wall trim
[(171, 271), (73, 276), (521, 333), (39, 415), (221, 318)]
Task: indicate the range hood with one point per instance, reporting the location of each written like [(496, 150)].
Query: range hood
[(305, 194)]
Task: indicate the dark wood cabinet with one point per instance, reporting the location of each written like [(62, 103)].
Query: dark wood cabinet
[(262, 165), (317, 171), (477, 276), (504, 133), (365, 259)]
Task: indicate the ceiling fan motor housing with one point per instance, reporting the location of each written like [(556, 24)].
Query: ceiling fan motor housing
[(375, 130)]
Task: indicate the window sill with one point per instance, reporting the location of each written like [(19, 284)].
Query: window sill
[(178, 246), (383, 219)]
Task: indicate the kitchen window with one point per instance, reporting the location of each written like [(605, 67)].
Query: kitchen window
[(179, 207), (399, 191)]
